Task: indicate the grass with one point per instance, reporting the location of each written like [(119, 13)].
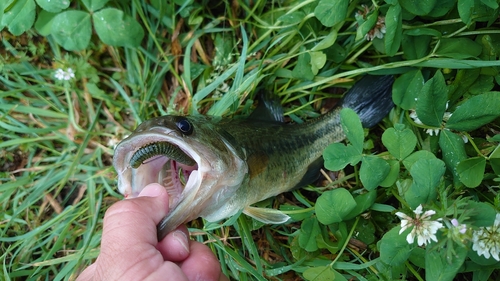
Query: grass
[(57, 137)]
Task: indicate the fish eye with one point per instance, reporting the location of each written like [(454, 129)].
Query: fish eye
[(184, 126)]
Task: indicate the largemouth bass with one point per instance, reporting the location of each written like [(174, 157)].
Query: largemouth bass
[(216, 167)]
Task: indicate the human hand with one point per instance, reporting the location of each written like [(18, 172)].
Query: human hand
[(131, 251)]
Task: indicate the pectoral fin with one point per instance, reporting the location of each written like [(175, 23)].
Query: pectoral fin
[(265, 215)]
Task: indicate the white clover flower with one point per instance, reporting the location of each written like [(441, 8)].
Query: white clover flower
[(446, 115), (432, 131), (59, 74), (424, 228), (69, 74), (486, 240), (377, 31), (64, 75), (360, 16), (413, 115)]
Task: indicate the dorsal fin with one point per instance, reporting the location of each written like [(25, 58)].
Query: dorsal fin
[(269, 109)]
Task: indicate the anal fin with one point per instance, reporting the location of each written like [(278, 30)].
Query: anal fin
[(266, 215)]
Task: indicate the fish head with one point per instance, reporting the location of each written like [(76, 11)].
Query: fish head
[(198, 164)]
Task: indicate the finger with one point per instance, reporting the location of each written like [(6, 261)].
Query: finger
[(129, 234), (175, 246), (156, 208), (223, 277), (168, 271), (87, 274), (135, 219), (201, 263), (165, 271)]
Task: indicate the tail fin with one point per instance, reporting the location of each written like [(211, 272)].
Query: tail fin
[(370, 98)]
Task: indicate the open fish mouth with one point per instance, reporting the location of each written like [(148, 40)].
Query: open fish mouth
[(176, 166), (154, 157)]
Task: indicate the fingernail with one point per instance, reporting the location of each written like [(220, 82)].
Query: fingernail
[(182, 239), (151, 190)]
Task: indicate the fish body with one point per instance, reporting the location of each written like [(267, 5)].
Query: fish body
[(237, 162)]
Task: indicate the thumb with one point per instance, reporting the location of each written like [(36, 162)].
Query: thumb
[(151, 201), (134, 218), (129, 234), (152, 190)]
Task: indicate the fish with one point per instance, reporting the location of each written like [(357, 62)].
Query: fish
[(215, 167)]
